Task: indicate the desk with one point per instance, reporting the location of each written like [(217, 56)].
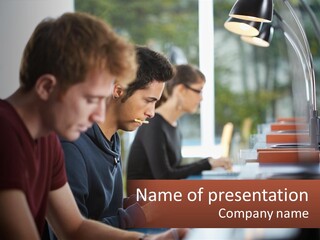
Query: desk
[(242, 233), (264, 171), (257, 171), (254, 170)]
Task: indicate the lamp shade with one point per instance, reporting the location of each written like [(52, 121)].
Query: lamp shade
[(253, 10), (243, 27), (263, 39)]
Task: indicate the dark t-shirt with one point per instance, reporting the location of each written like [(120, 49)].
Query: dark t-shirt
[(156, 153), (33, 166)]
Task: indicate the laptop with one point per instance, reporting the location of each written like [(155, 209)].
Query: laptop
[(236, 169)]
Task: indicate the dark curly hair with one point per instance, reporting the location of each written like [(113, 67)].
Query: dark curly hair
[(152, 66)]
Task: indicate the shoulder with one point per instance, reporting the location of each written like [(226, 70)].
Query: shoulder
[(73, 149), (12, 128), (81, 149), (156, 122), (80, 143), (9, 119), (158, 118), (155, 125)]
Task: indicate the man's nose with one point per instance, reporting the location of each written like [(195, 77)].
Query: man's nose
[(150, 111)]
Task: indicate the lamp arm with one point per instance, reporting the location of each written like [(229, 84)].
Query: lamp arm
[(304, 53), (299, 49), (310, 58), (301, 58), (313, 18), (287, 29)]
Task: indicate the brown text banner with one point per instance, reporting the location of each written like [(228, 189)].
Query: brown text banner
[(231, 203)]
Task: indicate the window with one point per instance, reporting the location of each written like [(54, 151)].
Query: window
[(243, 82)]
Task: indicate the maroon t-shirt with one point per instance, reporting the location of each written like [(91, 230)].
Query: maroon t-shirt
[(33, 166)]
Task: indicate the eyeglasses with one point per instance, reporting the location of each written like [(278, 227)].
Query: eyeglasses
[(193, 89)]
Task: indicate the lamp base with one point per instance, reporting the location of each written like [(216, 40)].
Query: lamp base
[(315, 130)]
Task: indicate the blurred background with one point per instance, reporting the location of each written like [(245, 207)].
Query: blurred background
[(248, 85)]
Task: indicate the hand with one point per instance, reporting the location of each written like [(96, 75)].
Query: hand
[(132, 199), (128, 201), (220, 162), (151, 211), (172, 234)]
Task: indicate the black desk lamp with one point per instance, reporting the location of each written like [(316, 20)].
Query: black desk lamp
[(263, 39), (263, 11), (257, 10), (243, 27)]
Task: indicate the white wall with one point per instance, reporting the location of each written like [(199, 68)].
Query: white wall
[(18, 18)]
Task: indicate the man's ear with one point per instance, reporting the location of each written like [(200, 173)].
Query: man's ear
[(118, 91), (45, 85)]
